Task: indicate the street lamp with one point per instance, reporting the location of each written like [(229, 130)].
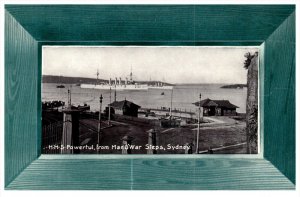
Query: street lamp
[(198, 130), (99, 123), (109, 106)]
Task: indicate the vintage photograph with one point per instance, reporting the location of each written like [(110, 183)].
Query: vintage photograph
[(149, 100)]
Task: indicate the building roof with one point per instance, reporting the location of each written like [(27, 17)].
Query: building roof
[(216, 103), (121, 104)]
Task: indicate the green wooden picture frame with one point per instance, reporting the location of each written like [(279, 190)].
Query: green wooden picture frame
[(29, 27)]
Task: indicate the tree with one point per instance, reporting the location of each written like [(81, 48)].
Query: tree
[(251, 63)]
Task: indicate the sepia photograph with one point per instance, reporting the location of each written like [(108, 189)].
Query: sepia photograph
[(149, 100)]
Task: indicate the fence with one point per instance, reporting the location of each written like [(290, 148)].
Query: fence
[(51, 138)]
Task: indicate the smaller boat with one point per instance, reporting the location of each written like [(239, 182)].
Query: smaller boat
[(162, 93), (60, 86)]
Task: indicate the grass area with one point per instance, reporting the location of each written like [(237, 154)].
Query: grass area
[(212, 136), (216, 132), (208, 137)]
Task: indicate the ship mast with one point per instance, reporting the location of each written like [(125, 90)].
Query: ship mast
[(131, 75), (97, 76), (171, 103)]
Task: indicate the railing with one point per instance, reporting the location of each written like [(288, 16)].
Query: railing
[(51, 138)]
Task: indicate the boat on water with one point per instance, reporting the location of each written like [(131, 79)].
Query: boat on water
[(117, 84), (60, 86), (60, 83), (115, 87), (127, 84)]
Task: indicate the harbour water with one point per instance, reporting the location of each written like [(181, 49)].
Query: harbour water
[(183, 96)]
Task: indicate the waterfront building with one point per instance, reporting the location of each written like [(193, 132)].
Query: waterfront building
[(125, 107), (217, 107)]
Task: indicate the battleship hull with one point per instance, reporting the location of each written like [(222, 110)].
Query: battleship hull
[(161, 87), (136, 87)]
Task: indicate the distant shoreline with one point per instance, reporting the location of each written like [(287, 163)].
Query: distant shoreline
[(85, 80), (235, 86)]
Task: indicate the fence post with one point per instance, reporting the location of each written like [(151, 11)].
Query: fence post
[(189, 150), (210, 150), (152, 141), (70, 135), (126, 141)]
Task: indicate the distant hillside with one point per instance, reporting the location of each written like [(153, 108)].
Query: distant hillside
[(69, 80), (235, 86), (80, 80)]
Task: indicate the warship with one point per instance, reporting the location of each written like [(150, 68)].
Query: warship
[(126, 84)]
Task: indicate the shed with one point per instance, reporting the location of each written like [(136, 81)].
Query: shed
[(217, 107), (125, 107)]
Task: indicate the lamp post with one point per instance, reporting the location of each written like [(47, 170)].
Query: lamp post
[(171, 103), (198, 130), (69, 99), (109, 106), (99, 123)]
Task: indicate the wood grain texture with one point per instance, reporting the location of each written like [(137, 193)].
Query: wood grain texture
[(279, 111), (28, 27), (154, 43), (150, 23), (151, 174), (21, 99)]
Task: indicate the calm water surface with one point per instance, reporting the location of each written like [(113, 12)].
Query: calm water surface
[(183, 96)]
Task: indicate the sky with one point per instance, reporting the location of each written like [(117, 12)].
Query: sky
[(169, 64)]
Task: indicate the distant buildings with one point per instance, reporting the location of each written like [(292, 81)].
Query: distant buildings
[(125, 107), (217, 107)]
